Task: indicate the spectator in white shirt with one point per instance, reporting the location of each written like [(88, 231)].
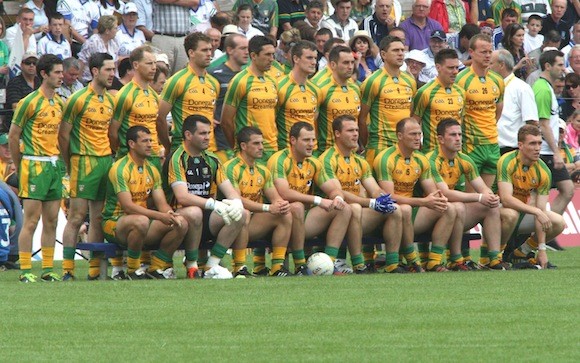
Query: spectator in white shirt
[(110, 7), (244, 19), (40, 19), (532, 38), (519, 106), (22, 32), (82, 16), (201, 15), (340, 23), (129, 37), (54, 42)]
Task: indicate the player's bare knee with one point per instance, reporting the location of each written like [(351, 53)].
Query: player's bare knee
[(558, 223), (451, 211), (243, 220), (75, 219), (508, 217), (406, 211), (459, 208), (193, 215), (397, 214), (346, 211), (139, 224), (356, 210), (182, 227), (297, 210), (285, 219), (566, 189)]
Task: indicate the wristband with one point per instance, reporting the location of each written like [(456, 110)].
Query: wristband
[(372, 203), (541, 247), (317, 200), (210, 204), (480, 196), (265, 207)]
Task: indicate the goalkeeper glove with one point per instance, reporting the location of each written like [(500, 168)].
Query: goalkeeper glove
[(383, 204), (220, 208), (235, 208)]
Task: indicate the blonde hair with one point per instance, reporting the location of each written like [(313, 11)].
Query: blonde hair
[(106, 22)]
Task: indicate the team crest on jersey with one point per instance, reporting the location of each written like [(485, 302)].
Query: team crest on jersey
[(259, 180), (416, 170), (534, 180), (32, 188), (147, 180), (205, 171), (460, 99), (356, 171), (81, 187), (494, 89)]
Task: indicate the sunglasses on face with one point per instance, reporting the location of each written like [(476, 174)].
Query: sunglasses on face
[(29, 62), (571, 86)]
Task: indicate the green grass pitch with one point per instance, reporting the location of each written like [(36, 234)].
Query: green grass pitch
[(511, 316)]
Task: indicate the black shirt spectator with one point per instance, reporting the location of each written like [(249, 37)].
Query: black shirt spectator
[(289, 12), (18, 88), (556, 21), (376, 29)]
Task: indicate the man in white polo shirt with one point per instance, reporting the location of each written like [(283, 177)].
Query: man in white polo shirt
[(519, 107)]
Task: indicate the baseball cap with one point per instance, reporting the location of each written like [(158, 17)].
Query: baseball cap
[(3, 139), (130, 8), (162, 57), (29, 55), (417, 55), (439, 34), (230, 29)]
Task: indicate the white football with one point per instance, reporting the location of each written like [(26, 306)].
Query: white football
[(320, 264)]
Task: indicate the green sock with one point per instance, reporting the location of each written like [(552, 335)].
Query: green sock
[(219, 251), (409, 253), (192, 255), (483, 251), (341, 253), (68, 253), (423, 249), (457, 257), (357, 260), (493, 257), (299, 258), (163, 256), (392, 259), (466, 253), (331, 251)]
